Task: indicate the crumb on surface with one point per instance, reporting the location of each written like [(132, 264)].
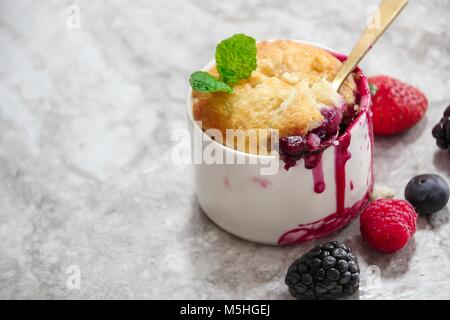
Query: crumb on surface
[(381, 192)]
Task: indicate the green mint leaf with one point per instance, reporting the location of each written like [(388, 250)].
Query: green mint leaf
[(204, 82), (236, 58), (373, 89)]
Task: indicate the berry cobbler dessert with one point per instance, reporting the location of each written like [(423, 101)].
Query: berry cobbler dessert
[(322, 151), (290, 91)]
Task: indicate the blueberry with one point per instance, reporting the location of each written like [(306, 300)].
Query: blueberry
[(428, 193)]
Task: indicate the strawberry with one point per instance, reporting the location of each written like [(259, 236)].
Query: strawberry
[(397, 106)]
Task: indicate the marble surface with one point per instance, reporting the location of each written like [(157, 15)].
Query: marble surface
[(86, 117)]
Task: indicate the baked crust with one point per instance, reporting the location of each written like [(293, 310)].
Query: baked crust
[(285, 92)]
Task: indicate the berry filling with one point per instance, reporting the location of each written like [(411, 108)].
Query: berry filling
[(294, 148), (351, 117), (330, 125)]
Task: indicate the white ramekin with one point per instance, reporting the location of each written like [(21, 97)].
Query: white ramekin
[(284, 208)]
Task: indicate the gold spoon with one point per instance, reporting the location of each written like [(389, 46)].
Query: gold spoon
[(382, 19)]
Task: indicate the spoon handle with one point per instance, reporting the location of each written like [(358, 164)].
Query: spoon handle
[(382, 19)]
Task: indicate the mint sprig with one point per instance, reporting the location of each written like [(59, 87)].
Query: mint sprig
[(204, 82), (235, 61), (236, 58)]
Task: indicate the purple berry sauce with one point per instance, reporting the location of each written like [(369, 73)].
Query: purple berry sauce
[(295, 148), (336, 127)]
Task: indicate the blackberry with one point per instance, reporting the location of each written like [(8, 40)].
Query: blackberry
[(329, 271), (441, 131)]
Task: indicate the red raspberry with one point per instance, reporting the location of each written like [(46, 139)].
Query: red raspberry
[(388, 224)]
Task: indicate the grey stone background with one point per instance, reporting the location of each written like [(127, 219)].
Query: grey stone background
[(85, 123)]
